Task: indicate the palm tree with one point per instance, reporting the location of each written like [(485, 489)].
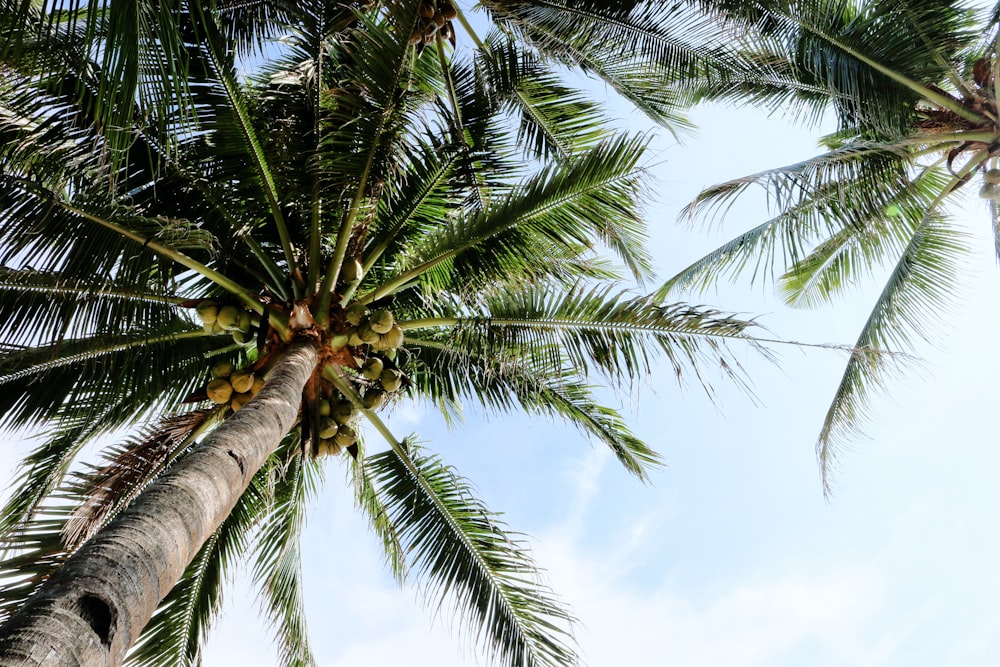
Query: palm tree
[(247, 270), (912, 87)]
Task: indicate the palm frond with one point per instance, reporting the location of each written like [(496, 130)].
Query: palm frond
[(593, 197), (537, 384), (464, 554), (277, 562), (916, 294)]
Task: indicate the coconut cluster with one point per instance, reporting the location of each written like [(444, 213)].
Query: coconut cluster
[(232, 386), (368, 342), (376, 330), (222, 319), (434, 20), (991, 185)]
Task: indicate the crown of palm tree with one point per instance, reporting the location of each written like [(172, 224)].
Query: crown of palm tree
[(912, 87), (434, 226)]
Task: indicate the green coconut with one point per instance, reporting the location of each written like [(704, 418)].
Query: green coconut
[(990, 192), (327, 428), (213, 329), (219, 391), (351, 271), (345, 436), (391, 379), (207, 311), (242, 381), (395, 336), (381, 321), (354, 339), (223, 369), (244, 321), (343, 412), (356, 313), (372, 368), (339, 341), (367, 334), (992, 176), (228, 317), (373, 399), (323, 407)]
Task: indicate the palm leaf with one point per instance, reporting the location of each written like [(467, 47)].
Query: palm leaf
[(918, 285), (464, 554)]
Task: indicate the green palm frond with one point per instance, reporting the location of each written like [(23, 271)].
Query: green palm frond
[(277, 563), (372, 506), (463, 554), (595, 327), (553, 120), (594, 195), (855, 192), (537, 384), (920, 284), (638, 48)]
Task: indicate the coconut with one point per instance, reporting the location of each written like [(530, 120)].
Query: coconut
[(354, 339), (374, 399), (219, 391), (992, 176), (228, 317), (345, 436), (258, 384), (372, 368), (323, 407), (339, 341), (381, 321), (213, 329), (327, 428), (223, 369), (242, 337), (351, 271), (391, 379), (395, 336), (342, 412), (426, 10), (367, 334), (243, 321), (242, 381), (355, 314), (207, 311), (448, 11), (990, 192), (239, 400)]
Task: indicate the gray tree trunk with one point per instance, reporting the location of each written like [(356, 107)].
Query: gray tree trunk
[(92, 611)]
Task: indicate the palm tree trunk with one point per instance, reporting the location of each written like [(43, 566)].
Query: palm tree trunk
[(92, 611)]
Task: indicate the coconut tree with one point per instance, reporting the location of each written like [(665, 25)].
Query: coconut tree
[(912, 89), (252, 268)]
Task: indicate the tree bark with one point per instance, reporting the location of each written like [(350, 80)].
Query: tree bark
[(92, 611)]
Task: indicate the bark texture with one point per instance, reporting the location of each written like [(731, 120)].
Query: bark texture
[(92, 611)]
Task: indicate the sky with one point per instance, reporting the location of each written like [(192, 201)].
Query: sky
[(731, 555)]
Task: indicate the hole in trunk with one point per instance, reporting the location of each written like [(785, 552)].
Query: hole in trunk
[(99, 615), (239, 461)]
